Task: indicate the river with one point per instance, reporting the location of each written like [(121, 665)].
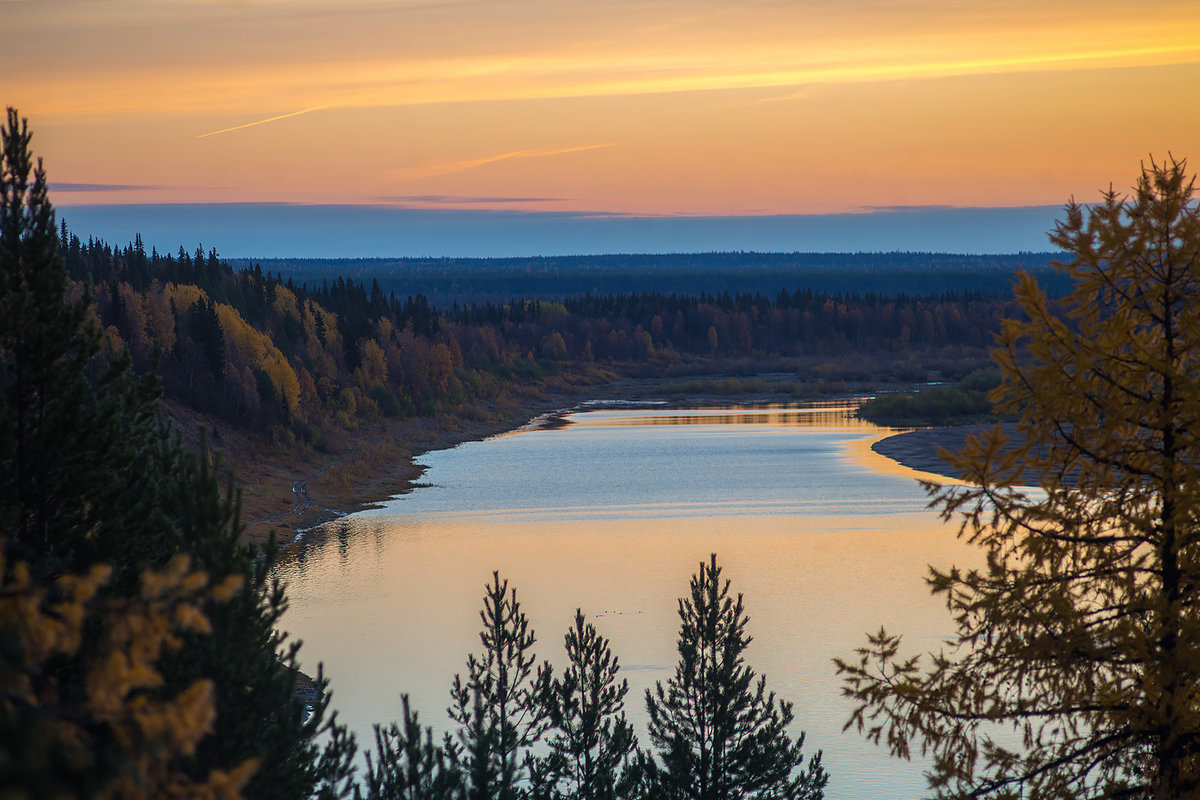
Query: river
[(612, 513)]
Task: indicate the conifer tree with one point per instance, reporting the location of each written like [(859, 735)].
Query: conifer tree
[(93, 475), (592, 746), (247, 655), (1074, 667), (408, 765), (76, 428), (720, 735), (205, 329), (497, 705)]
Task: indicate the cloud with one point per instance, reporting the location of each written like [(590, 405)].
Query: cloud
[(265, 121), (902, 209), (452, 200), (450, 167), (60, 186)]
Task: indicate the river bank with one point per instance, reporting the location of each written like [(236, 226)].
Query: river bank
[(921, 449), (287, 490)]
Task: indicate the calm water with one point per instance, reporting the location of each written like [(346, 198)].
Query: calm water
[(612, 514)]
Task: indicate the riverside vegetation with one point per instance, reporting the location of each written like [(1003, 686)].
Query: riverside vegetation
[(966, 401), (140, 648)]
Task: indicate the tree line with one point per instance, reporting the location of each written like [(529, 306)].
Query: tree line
[(496, 280), (262, 352)]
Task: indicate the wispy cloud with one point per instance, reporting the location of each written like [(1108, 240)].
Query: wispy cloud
[(60, 186), (903, 209), (455, 200), (450, 167), (265, 121)]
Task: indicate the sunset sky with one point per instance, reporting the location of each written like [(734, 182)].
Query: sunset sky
[(694, 107)]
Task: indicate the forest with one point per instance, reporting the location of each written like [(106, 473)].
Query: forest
[(480, 280), (260, 351)]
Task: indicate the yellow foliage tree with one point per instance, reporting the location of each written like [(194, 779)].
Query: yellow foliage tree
[(1074, 671), (183, 296), (160, 322), (285, 302), (257, 349), (373, 368), (116, 736)]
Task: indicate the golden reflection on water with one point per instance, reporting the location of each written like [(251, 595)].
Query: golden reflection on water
[(833, 415), (859, 450), (398, 602), (390, 603)]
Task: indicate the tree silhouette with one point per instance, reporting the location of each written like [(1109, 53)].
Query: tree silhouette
[(408, 765), (93, 475), (720, 735), (592, 745), (73, 424), (497, 705)]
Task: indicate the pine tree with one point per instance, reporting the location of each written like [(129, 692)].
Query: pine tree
[(497, 706), (408, 765), (720, 735), (205, 329), (1079, 642), (247, 655), (592, 746)]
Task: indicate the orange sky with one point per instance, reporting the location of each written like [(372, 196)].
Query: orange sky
[(651, 106)]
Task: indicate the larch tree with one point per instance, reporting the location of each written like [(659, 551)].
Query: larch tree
[(104, 728), (719, 733), (1074, 669)]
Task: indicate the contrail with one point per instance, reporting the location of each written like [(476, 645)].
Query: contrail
[(410, 173), (268, 119)]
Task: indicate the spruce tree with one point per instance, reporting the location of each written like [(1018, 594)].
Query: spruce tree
[(497, 705), (720, 735), (94, 475)]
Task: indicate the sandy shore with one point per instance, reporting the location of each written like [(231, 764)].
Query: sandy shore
[(919, 449)]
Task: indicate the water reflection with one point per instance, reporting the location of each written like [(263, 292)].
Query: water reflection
[(612, 513), (833, 415)]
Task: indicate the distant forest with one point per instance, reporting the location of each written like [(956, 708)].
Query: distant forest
[(478, 280), (306, 358)]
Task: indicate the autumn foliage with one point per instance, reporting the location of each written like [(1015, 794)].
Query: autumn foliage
[(1075, 662), (258, 351), (119, 737)]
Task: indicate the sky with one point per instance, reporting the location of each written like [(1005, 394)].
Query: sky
[(594, 110)]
